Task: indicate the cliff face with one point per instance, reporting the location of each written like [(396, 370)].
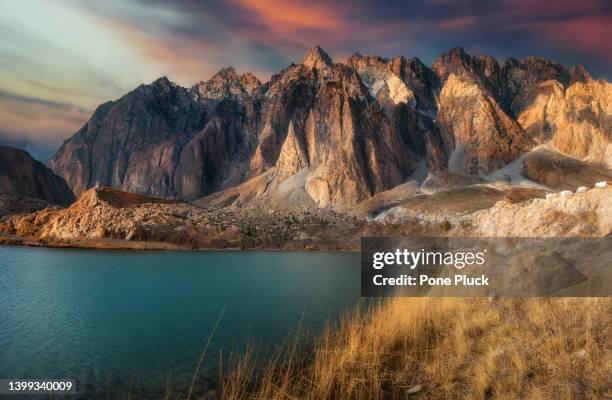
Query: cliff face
[(26, 184), (476, 126), (335, 133), (162, 139), (576, 119), (319, 118)]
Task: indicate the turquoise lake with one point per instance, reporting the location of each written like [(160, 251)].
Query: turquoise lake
[(110, 317)]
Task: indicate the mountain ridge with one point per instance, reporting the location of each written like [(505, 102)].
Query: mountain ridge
[(341, 131)]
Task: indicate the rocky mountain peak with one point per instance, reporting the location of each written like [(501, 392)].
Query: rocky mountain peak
[(479, 68), (227, 73), (355, 58), (227, 83), (457, 62), (450, 61), (334, 134), (534, 69), (160, 88), (250, 82), (383, 83), (162, 81), (317, 58), (358, 61), (578, 73)]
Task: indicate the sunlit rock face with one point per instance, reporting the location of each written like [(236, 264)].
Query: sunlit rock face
[(337, 133), (476, 125), (319, 115), (576, 118), (407, 92), (169, 141), (566, 108)]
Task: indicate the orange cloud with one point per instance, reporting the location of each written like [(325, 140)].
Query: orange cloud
[(288, 16)]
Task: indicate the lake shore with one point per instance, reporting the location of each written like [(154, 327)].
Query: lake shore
[(105, 218), (118, 244)]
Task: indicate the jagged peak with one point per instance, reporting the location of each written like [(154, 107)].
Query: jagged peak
[(542, 63), (316, 57), (368, 59), (160, 86), (455, 56), (416, 63), (456, 52), (578, 73), (163, 84), (413, 69), (484, 69), (227, 74), (539, 60), (248, 79), (538, 69), (454, 60), (354, 58), (227, 83), (162, 81)]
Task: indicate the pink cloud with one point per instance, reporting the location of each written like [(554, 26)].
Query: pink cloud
[(589, 34), (458, 23), (289, 16)]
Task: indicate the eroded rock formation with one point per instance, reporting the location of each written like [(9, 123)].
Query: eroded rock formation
[(334, 134)]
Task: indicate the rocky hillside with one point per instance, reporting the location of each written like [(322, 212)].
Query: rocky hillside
[(27, 185), (564, 213), (108, 218), (586, 212), (558, 171), (334, 134)]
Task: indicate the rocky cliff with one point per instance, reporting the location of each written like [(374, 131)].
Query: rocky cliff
[(27, 185), (334, 134)]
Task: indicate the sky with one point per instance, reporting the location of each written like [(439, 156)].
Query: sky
[(59, 59)]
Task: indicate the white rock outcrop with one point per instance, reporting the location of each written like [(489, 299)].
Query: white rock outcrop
[(583, 214), (587, 213)]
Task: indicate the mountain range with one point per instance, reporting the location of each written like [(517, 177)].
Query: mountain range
[(328, 134)]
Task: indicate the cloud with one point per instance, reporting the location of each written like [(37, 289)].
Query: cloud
[(60, 58), (57, 63), (584, 34), (37, 125), (289, 16), (464, 22), (24, 118)]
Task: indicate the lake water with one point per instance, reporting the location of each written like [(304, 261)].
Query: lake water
[(109, 317)]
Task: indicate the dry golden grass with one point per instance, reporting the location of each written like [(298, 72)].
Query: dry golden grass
[(445, 349)]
